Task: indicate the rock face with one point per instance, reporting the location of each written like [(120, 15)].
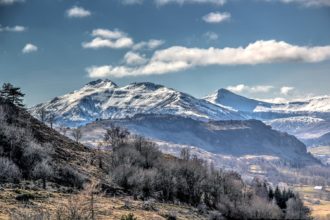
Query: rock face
[(103, 99), (236, 138)]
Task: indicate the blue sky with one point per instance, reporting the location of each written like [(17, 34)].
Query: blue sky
[(273, 49)]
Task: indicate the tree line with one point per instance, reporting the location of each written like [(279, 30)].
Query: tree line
[(136, 165)]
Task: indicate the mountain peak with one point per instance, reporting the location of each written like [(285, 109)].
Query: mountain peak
[(230, 99), (147, 85), (223, 91), (99, 82)]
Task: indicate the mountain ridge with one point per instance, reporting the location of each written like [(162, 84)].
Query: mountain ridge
[(104, 99)]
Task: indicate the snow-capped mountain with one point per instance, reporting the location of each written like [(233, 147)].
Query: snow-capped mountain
[(103, 99), (306, 119), (315, 105), (217, 124), (224, 97)]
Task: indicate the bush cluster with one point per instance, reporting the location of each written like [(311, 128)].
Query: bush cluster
[(143, 171), (23, 157)]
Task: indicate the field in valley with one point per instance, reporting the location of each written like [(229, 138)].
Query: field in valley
[(322, 153), (317, 200)]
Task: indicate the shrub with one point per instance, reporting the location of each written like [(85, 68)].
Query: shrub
[(9, 172), (36, 214), (129, 216), (70, 177), (296, 209), (43, 171), (170, 216)]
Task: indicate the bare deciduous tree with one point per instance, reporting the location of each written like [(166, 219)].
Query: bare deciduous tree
[(51, 119), (43, 171), (77, 134), (42, 114), (115, 136), (9, 172)]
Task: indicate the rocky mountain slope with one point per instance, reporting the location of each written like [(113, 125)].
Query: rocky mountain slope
[(232, 138)]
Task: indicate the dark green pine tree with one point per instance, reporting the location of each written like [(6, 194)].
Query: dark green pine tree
[(270, 194), (12, 94)]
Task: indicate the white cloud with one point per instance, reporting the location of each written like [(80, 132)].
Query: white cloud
[(78, 12), (29, 48), (105, 38), (105, 33), (211, 36), (285, 90), (9, 2), (251, 89), (117, 39), (178, 58), (98, 42), (150, 45), (216, 17), (133, 58), (16, 28), (307, 3), (181, 2)]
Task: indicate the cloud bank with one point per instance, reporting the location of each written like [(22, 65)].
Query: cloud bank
[(178, 58), (104, 38), (117, 39)]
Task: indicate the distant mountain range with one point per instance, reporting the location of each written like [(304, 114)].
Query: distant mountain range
[(102, 99), (219, 123), (307, 119)]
